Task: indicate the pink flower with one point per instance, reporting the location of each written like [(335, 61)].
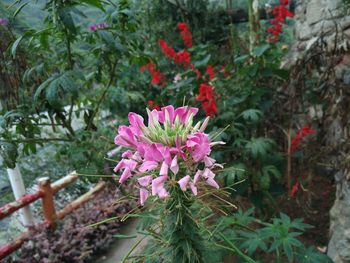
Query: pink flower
[(164, 169), (208, 161), (193, 188), (209, 176), (169, 139), (148, 166), (145, 180), (136, 123), (143, 196), (125, 163), (174, 167), (128, 166), (200, 145), (183, 182), (158, 186), (127, 154), (197, 176), (153, 154), (184, 112), (125, 137)]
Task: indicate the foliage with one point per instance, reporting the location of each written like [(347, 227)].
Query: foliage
[(70, 74)]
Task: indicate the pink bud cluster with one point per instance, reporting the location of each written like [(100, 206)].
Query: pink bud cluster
[(169, 146)]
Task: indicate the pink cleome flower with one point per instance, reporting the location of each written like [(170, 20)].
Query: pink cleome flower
[(156, 153)]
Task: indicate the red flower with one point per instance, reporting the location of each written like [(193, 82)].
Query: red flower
[(153, 106), (207, 97), (294, 189), (157, 76), (280, 12), (210, 107), (301, 134), (167, 50), (186, 34), (210, 72), (183, 58)]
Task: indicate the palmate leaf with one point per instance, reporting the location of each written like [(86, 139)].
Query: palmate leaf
[(254, 241), (234, 173), (271, 170), (252, 115), (52, 86), (259, 147), (311, 255)]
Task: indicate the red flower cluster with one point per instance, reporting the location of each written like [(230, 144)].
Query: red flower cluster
[(207, 97), (301, 134), (186, 34), (153, 106), (182, 57), (210, 71), (157, 76), (280, 12)]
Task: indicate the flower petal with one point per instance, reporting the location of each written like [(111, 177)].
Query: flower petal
[(125, 175), (183, 182), (143, 196), (174, 167), (148, 166), (145, 180), (193, 188), (213, 183), (164, 169)]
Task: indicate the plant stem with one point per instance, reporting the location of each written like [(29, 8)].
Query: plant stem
[(96, 109), (181, 231)]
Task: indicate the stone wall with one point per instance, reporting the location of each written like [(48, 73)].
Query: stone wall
[(326, 19), (326, 23)]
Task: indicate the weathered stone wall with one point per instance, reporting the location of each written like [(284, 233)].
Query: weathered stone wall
[(328, 22)]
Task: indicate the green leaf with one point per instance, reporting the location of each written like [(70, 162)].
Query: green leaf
[(202, 62), (234, 173), (15, 45), (120, 236), (260, 50), (19, 9), (252, 115), (241, 58), (94, 3), (271, 170), (259, 147), (40, 89)]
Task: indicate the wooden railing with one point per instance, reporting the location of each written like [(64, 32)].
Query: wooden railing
[(46, 193)]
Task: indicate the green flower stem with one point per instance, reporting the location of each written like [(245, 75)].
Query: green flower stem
[(181, 231)]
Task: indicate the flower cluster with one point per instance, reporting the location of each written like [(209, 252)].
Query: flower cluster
[(169, 149), (95, 27), (301, 134), (182, 57), (186, 34), (207, 97), (157, 76), (3, 22), (210, 71), (280, 12)]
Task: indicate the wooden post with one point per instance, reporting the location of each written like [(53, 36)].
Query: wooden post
[(48, 201)]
